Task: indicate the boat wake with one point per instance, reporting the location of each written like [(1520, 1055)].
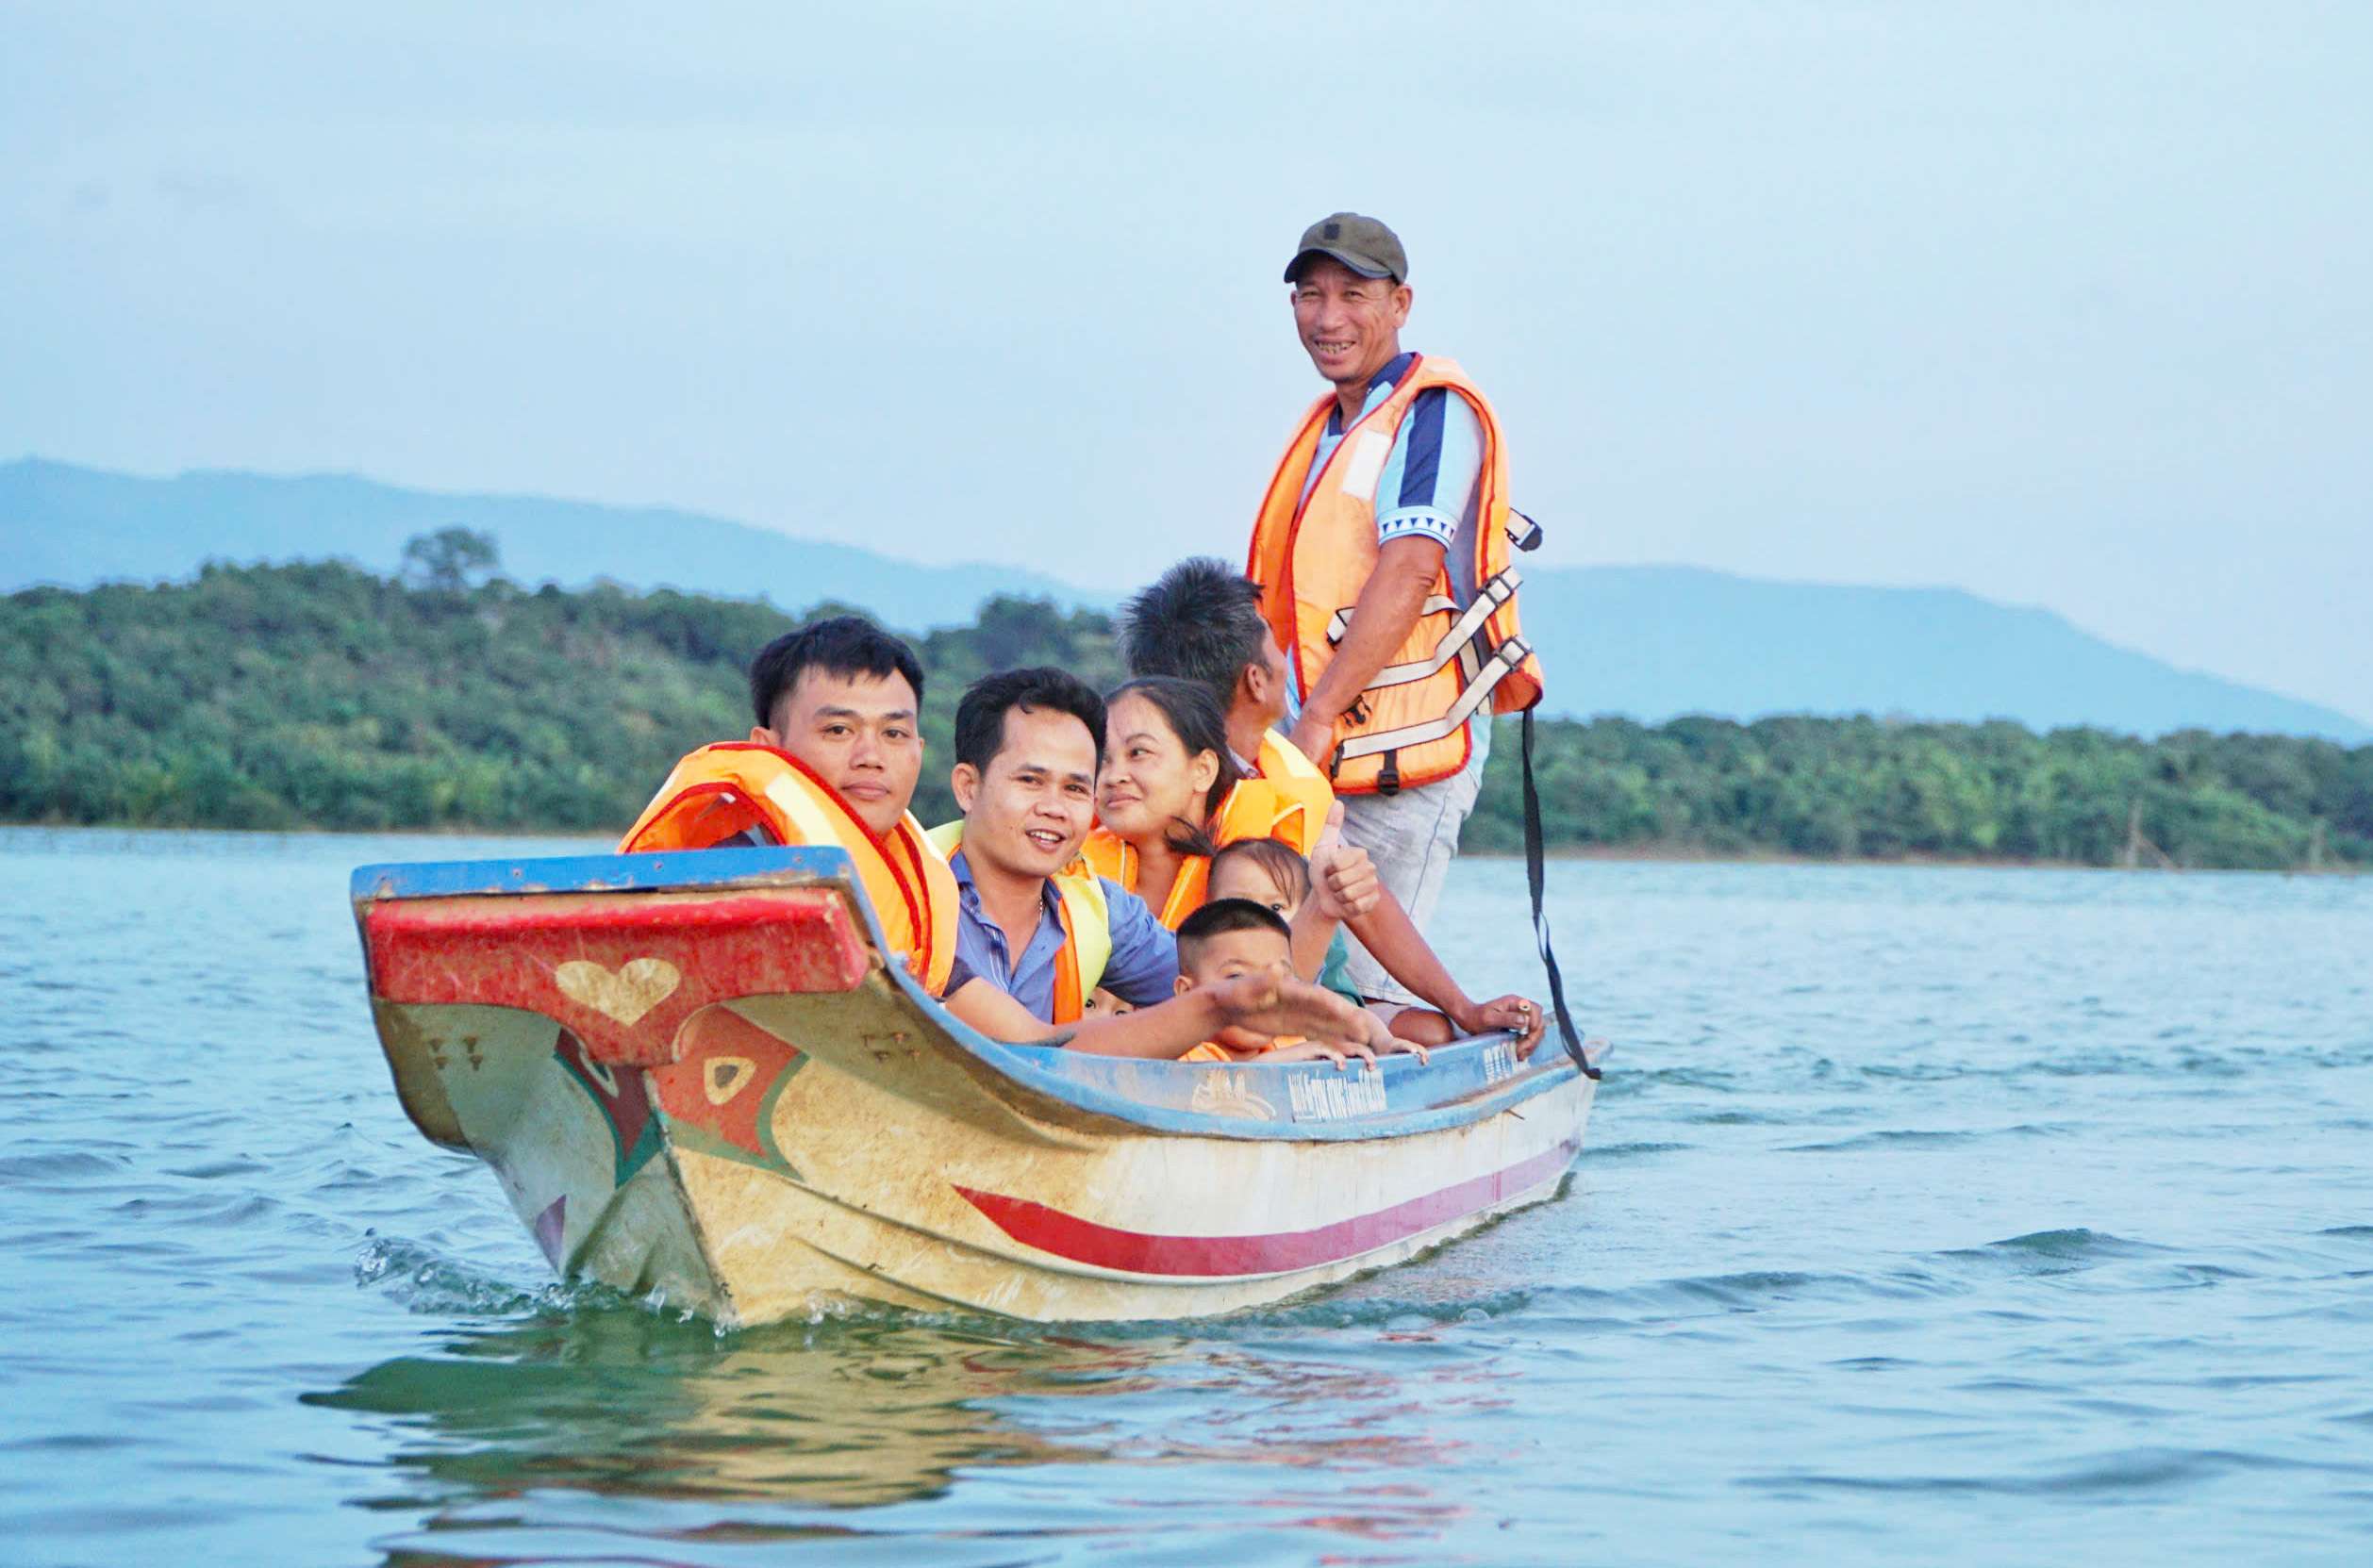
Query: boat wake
[(430, 1284)]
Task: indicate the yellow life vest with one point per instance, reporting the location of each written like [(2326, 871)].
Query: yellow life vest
[(1288, 801), (1086, 928), (724, 790), (1312, 557)]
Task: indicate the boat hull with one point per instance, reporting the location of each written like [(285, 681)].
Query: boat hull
[(834, 1135)]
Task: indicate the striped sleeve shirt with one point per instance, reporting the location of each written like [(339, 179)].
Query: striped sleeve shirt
[(1431, 482)]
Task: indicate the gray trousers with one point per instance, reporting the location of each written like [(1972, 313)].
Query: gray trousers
[(1413, 837)]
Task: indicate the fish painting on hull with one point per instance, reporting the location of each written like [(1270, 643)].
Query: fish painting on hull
[(720, 1097)]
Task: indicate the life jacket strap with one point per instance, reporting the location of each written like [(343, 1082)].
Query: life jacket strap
[(1468, 630), (1494, 668)]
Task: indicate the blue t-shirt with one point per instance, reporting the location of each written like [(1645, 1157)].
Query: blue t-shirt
[(1142, 971)]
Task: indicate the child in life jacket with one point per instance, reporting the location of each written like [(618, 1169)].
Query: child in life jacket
[(1228, 937), (1273, 875)]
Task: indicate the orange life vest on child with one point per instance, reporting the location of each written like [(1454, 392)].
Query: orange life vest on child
[(724, 790), (1311, 559), (1212, 1050), (1288, 801)]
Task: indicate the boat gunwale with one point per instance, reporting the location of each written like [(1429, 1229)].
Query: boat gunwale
[(1000, 1067)]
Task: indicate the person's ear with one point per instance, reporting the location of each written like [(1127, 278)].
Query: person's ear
[(761, 735), (1204, 771), (1252, 685), (1183, 986), (966, 781), (1400, 300)]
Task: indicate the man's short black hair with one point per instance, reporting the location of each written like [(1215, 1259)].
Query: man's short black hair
[(844, 646), (1200, 622), (1220, 916), (980, 718)]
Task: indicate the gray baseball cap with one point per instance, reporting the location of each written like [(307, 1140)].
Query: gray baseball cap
[(1363, 245)]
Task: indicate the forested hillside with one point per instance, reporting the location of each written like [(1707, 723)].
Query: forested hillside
[(323, 696), (1657, 641)]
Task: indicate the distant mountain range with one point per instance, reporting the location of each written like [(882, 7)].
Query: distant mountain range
[(71, 525), (1651, 642)]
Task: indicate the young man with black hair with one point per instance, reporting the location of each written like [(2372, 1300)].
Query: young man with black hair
[(845, 698), (1202, 621), (1028, 743)]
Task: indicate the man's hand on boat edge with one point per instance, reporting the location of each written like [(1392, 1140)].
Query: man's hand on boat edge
[(1519, 1014)]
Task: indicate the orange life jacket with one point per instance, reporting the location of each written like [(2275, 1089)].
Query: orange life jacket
[(1086, 921), (1288, 801), (1212, 1050), (1311, 559), (1301, 794), (726, 789)]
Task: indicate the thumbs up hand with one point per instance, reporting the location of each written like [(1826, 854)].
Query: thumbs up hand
[(1341, 875)]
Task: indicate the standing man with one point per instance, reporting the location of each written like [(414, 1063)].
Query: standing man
[(1382, 552)]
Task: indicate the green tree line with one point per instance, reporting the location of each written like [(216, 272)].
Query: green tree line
[(322, 696)]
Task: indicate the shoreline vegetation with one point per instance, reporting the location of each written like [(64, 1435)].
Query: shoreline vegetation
[(1607, 854), (321, 696)]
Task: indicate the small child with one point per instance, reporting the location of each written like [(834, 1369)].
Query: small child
[(1228, 937), (1273, 875)]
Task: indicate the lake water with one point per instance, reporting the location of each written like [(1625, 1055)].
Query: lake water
[(1948, 1216)]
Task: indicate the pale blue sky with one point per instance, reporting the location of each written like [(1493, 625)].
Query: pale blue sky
[(2067, 305)]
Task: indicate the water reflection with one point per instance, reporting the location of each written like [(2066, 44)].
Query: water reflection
[(837, 1415), (490, 1437)]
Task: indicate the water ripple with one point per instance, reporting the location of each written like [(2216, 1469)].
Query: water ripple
[(1928, 1216)]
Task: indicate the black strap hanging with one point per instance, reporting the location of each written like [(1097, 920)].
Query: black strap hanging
[(1535, 877)]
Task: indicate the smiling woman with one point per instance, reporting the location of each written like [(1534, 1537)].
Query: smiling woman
[(1167, 770)]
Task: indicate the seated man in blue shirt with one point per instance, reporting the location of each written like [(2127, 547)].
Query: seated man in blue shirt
[(1028, 743)]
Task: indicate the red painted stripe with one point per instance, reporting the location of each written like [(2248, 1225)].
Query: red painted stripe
[(1083, 1241)]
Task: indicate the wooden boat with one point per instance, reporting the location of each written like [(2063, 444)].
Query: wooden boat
[(697, 1078)]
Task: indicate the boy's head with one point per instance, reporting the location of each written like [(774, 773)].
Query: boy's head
[(1262, 871), (1027, 745), (844, 696), (1228, 937)]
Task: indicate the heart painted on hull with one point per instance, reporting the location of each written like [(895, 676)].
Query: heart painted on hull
[(625, 994)]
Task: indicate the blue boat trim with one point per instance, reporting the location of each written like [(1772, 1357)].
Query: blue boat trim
[(1468, 1082), (448, 879)]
